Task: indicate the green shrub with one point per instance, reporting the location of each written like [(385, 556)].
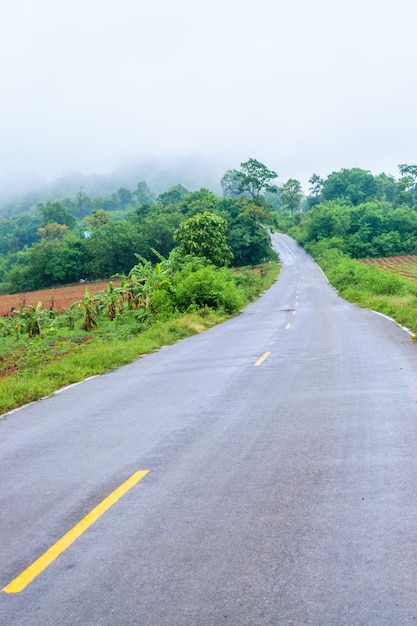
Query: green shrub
[(207, 286)]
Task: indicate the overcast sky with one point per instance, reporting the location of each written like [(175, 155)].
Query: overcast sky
[(302, 86)]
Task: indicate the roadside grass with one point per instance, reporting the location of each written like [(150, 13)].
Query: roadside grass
[(401, 308), (372, 287), (31, 369)]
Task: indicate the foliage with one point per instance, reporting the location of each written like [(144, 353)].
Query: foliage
[(56, 212), (200, 285), (352, 185), (252, 179), (52, 231), (199, 202), (173, 195), (61, 356), (203, 235), (89, 307), (97, 219), (356, 186), (83, 237), (247, 237), (28, 319), (230, 184), (111, 249), (143, 195), (372, 229), (291, 195)]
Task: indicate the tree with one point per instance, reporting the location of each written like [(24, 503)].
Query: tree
[(353, 185), (143, 194), (97, 219), (291, 195), (55, 212), (52, 231), (316, 190), (124, 197), (255, 178), (386, 187), (230, 184), (199, 202), (159, 227), (81, 197), (408, 170), (111, 249), (249, 242), (204, 235), (408, 184), (173, 195), (246, 234)]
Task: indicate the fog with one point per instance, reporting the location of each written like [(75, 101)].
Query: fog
[(99, 86)]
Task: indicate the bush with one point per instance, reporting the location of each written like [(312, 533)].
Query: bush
[(207, 286)]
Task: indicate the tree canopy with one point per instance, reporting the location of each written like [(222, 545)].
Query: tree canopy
[(204, 235), (252, 179)]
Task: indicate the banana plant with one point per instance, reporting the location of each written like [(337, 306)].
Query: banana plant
[(111, 300), (89, 307), (28, 319)]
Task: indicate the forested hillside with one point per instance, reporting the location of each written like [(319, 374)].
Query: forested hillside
[(84, 238), (81, 237), (360, 214)]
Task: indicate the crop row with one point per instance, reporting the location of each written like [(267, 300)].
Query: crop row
[(403, 265)]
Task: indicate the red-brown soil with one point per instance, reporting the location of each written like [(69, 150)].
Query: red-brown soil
[(403, 265), (59, 298)]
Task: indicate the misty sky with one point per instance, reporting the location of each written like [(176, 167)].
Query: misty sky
[(302, 86)]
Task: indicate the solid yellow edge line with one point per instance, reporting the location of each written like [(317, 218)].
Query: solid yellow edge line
[(262, 359), (26, 577)]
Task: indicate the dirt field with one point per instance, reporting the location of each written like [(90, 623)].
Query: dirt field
[(404, 265), (59, 298)]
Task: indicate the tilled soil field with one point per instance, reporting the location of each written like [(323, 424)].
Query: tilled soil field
[(59, 298), (403, 265)]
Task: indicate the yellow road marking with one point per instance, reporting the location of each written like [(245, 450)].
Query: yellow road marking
[(262, 359), (288, 326), (20, 582)]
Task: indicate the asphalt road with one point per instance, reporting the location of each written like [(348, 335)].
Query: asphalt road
[(278, 493)]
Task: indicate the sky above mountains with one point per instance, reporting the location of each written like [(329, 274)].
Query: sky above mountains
[(90, 85)]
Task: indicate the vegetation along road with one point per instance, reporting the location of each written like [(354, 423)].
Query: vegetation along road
[(263, 472)]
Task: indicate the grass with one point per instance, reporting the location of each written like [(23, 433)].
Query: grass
[(31, 369), (372, 287)]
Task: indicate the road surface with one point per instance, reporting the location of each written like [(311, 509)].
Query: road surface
[(281, 457)]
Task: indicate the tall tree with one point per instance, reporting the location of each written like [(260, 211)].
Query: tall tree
[(230, 184), (124, 197), (55, 212), (316, 190), (408, 183), (173, 195), (291, 195), (204, 235), (143, 194), (352, 185), (255, 178)]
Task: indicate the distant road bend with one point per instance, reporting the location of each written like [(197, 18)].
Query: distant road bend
[(261, 473)]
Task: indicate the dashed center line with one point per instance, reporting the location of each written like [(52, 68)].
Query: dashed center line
[(288, 326), (262, 359), (20, 582)]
